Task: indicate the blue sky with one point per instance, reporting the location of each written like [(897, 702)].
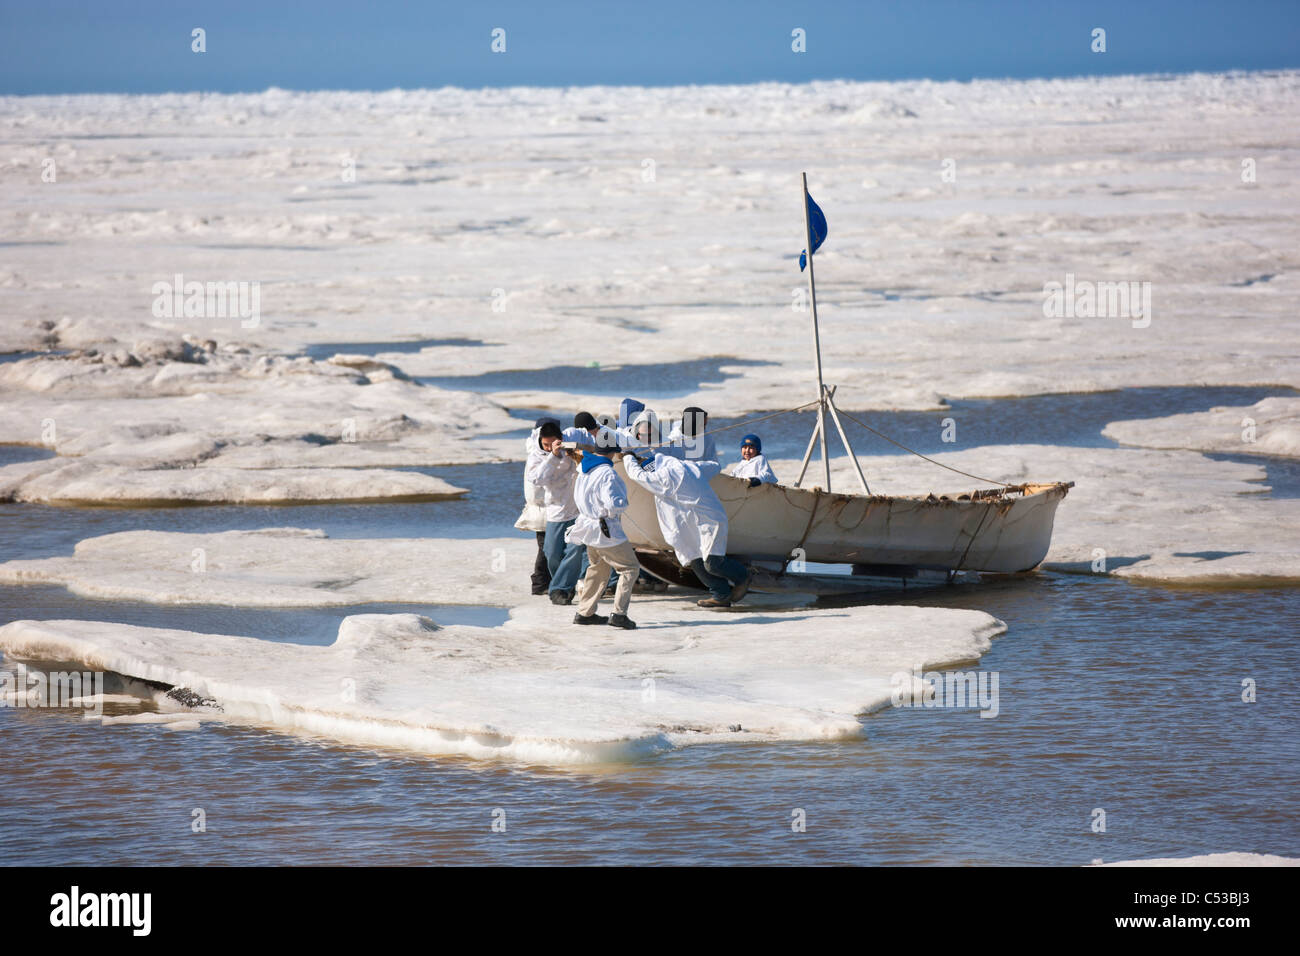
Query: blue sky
[(62, 46)]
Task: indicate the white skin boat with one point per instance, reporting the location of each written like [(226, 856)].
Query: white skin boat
[(997, 530)]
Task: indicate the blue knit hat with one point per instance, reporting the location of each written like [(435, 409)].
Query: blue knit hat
[(752, 440)]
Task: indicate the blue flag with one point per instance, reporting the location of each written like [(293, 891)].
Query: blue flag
[(818, 222)]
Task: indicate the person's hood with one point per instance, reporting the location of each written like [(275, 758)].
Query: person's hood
[(626, 409), (536, 436), (591, 461), (692, 422), (647, 416)]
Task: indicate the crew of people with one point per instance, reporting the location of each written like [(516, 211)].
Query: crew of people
[(574, 502)]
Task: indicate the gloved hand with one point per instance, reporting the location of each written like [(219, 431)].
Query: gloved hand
[(754, 482)]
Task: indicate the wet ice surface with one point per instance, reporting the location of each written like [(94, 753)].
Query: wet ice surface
[(612, 383), (1076, 420), (537, 689), (1267, 428), (324, 351), (1152, 730), (318, 626), (491, 507), (20, 356), (1282, 474), (12, 454)]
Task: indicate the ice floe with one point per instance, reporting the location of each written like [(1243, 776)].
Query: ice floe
[(1269, 427), (540, 689), (286, 567), (246, 430)]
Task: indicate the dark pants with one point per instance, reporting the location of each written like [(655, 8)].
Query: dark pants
[(719, 574), (541, 571), (567, 562)]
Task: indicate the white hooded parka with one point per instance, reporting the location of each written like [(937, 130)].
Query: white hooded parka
[(691, 516)]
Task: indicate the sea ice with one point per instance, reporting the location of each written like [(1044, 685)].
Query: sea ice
[(539, 689), (671, 230), (1269, 427), (249, 431)]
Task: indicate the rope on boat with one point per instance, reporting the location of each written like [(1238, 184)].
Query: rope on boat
[(754, 421), (812, 515), (991, 481), (747, 422), (978, 528), (798, 408)]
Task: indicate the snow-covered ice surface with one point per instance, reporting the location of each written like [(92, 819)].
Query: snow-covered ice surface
[(635, 226), (1269, 427), (285, 567), (1214, 859), (188, 425), (539, 689)]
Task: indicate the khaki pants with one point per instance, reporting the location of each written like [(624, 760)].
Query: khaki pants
[(622, 558)]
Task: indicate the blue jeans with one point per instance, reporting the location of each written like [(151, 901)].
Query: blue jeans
[(567, 562), (719, 574)]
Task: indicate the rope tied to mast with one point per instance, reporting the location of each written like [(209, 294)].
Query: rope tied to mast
[(798, 408), (991, 481)]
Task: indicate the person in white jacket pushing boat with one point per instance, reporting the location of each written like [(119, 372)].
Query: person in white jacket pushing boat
[(554, 470), (753, 465), (601, 497), (693, 521), (688, 439), (533, 517)]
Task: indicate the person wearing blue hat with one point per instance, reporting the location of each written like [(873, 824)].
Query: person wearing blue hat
[(753, 465), (601, 496)]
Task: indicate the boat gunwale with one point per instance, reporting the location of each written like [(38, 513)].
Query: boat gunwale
[(1010, 493)]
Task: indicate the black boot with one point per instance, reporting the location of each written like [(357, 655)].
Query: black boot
[(590, 619), (621, 620)]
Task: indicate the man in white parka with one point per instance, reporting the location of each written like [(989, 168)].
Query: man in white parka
[(554, 470), (601, 496), (688, 438), (693, 521), (533, 517)]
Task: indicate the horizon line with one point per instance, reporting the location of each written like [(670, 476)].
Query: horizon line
[(1235, 71)]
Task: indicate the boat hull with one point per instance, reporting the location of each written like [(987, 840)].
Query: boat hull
[(996, 531)]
